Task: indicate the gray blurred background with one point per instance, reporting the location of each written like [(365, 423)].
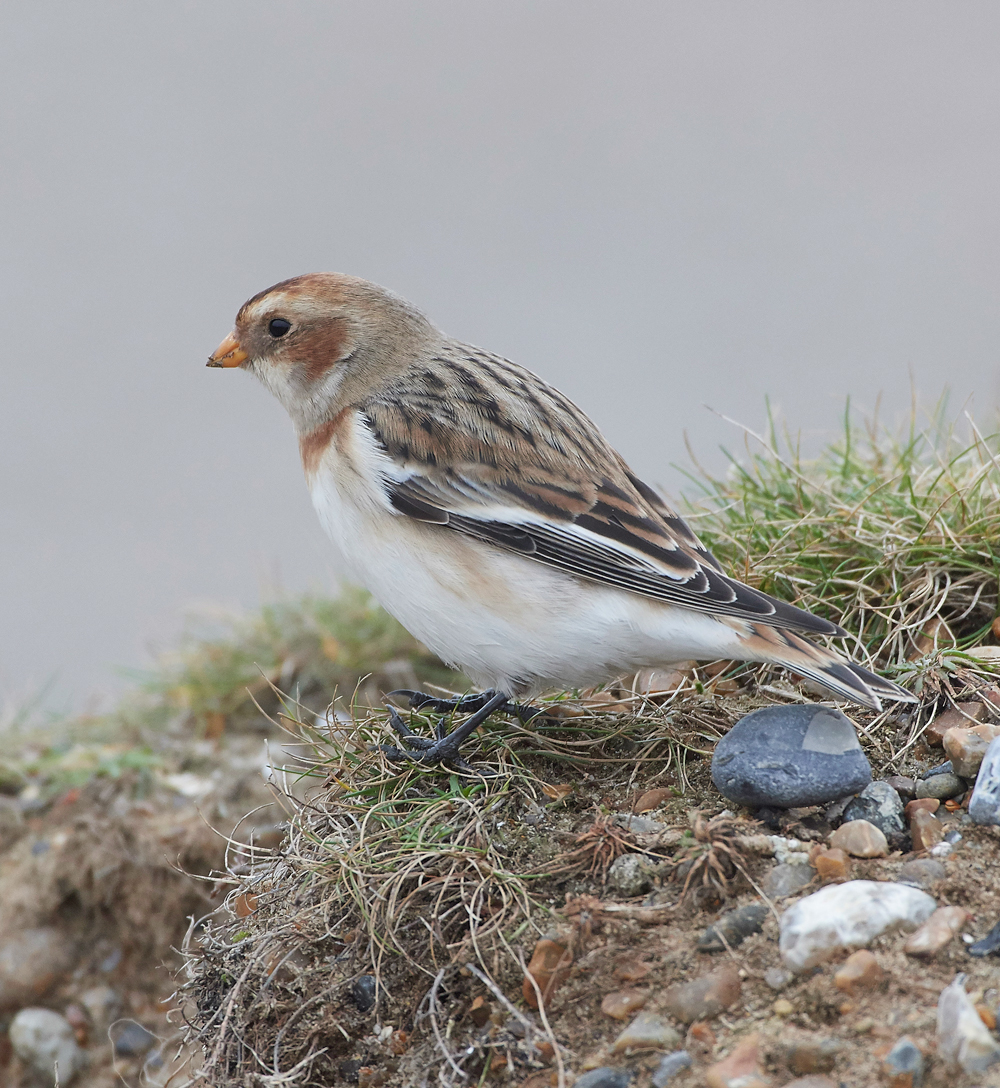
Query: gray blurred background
[(655, 205)]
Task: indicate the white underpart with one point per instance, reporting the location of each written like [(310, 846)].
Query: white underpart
[(508, 622)]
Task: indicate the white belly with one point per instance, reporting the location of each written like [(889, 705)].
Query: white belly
[(508, 622)]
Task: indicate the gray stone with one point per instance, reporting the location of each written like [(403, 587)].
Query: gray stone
[(32, 962), (790, 757), (921, 873), (669, 1067), (785, 880), (43, 1040), (130, 1037), (734, 927), (605, 1077), (905, 1059), (984, 807), (879, 804), (647, 1030), (777, 977), (630, 875), (962, 1038), (941, 786)]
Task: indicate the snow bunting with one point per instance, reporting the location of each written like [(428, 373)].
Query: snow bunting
[(490, 516)]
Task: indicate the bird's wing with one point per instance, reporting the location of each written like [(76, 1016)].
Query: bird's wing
[(480, 446)]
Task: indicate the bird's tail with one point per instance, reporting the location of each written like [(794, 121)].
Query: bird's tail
[(842, 677)]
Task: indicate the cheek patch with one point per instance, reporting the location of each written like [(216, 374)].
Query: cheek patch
[(323, 347)]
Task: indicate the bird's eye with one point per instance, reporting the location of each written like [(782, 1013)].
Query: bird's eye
[(278, 326)]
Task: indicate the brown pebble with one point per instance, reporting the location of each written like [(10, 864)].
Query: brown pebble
[(950, 719), (905, 787), (860, 839), (652, 799), (630, 969), (860, 971), (927, 830), (549, 967), (740, 1068), (987, 1015), (936, 932), (480, 1011), (922, 804), (965, 747), (831, 865), (813, 1055), (653, 682), (705, 997), (622, 1003)]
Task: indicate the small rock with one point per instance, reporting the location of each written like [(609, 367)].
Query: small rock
[(860, 839), (831, 864), (647, 1031), (640, 825), (652, 799), (903, 1066), (848, 916), (813, 1055), (989, 943), (922, 873), (963, 1038), (669, 1067), (735, 926), (860, 971), (785, 880), (741, 1069), (936, 932), (363, 992), (905, 787), (605, 1077), (879, 804), (549, 967), (704, 998), (950, 719), (42, 1038), (790, 756), (130, 1038), (812, 1081), (782, 1007), (662, 681), (926, 829), (984, 807), (777, 977), (630, 875), (622, 1003), (32, 961), (921, 804), (966, 747), (789, 851), (941, 786)]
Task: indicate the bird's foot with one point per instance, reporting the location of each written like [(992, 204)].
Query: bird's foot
[(445, 747), (420, 700)]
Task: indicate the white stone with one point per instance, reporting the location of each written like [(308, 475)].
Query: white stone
[(963, 1039), (789, 851), (984, 807), (43, 1039), (848, 915)]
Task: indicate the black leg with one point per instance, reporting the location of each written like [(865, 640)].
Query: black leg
[(419, 699), (444, 748)]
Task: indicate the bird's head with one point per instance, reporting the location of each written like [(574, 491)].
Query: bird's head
[(316, 340)]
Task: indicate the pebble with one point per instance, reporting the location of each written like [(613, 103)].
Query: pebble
[(905, 787), (860, 839), (549, 967), (957, 717), (32, 961), (966, 747), (921, 873), (789, 851), (363, 992), (926, 829), (669, 1067), (984, 807), (921, 804), (903, 1066), (130, 1038), (630, 875), (41, 1038), (782, 1007), (647, 1030), (989, 943), (962, 1038), (605, 1077), (848, 915), (831, 864), (777, 977), (937, 931), (741, 1069), (705, 997), (812, 1081), (785, 880), (735, 926), (879, 804), (941, 786), (622, 1003), (860, 971), (813, 1055), (789, 757)]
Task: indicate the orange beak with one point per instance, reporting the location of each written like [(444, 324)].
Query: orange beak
[(228, 353)]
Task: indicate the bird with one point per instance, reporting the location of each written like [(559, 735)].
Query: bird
[(490, 516)]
